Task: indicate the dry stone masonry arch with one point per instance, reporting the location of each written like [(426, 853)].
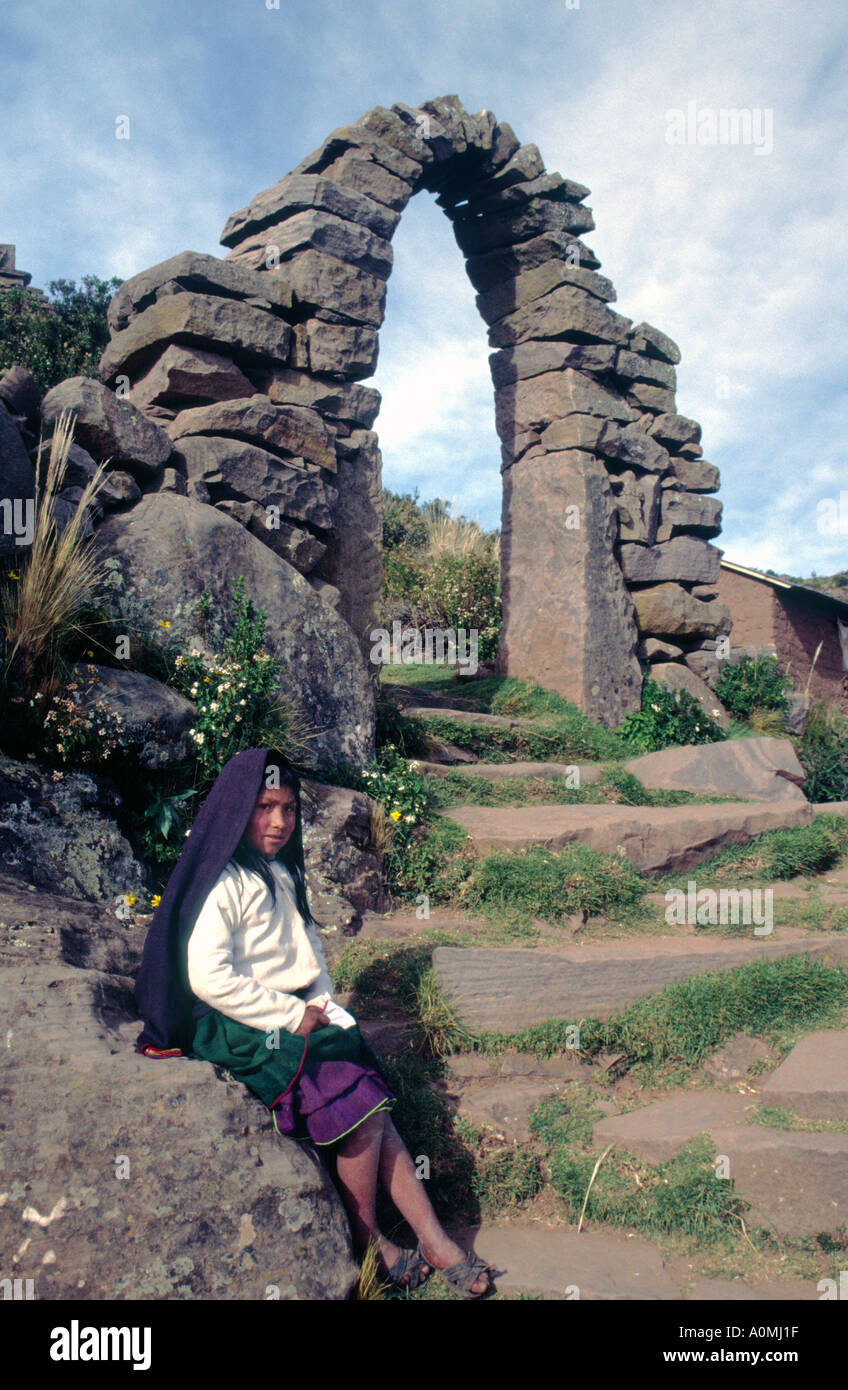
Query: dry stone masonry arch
[(251, 365)]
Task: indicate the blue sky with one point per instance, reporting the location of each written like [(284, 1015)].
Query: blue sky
[(739, 256)]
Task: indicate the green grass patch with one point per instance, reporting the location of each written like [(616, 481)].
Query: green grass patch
[(774, 854), (541, 883), (778, 1117), (615, 787), (684, 1195), (564, 739)]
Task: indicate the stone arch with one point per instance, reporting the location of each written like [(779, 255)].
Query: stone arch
[(260, 356)]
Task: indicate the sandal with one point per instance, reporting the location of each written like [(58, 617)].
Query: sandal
[(409, 1262), (460, 1277)]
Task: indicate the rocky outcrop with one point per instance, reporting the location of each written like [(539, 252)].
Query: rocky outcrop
[(127, 1178), (163, 554), (57, 832)]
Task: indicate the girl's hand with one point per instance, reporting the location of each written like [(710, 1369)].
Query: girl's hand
[(313, 1018)]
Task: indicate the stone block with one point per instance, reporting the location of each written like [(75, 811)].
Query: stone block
[(299, 192), (566, 310), (684, 559), (667, 610), (203, 320), (757, 769), (291, 429)]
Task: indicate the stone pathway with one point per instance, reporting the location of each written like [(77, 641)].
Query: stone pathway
[(654, 838)]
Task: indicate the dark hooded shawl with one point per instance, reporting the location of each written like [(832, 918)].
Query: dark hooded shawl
[(164, 998)]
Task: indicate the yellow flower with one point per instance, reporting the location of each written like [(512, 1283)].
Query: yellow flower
[(156, 900), (395, 815), (12, 575), (163, 622), (89, 653), (129, 898)]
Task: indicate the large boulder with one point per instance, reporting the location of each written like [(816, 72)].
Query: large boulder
[(342, 866), (57, 832), (673, 676), (154, 718), (141, 1179), (108, 426), (162, 555)]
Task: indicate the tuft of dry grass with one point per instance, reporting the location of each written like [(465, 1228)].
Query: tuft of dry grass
[(454, 535), (369, 1286), (39, 611)]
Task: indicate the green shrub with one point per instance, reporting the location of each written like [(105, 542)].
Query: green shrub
[(753, 683), (63, 340), (436, 861), (463, 591), (823, 753), (404, 576), (668, 719), (404, 526), (234, 695), (401, 791)]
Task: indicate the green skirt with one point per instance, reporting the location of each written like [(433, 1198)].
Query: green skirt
[(269, 1063)]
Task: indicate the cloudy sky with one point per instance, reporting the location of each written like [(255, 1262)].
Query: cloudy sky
[(736, 250)]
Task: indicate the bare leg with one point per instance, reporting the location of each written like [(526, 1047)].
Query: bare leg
[(397, 1174), (357, 1164)]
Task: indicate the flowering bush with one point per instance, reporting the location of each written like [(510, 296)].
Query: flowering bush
[(668, 719), (400, 790), (234, 694), (753, 683), (61, 729)]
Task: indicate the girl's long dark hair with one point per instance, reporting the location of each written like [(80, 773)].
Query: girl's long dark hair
[(291, 853)]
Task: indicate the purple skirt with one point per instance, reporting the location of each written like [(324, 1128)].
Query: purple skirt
[(329, 1099)]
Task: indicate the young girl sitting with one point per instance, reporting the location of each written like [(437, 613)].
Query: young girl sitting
[(233, 972)]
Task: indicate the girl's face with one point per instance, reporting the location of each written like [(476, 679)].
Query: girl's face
[(273, 820)]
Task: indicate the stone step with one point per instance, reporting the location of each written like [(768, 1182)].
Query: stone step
[(473, 718), (654, 838), (813, 1080), (797, 1182), (599, 1264), (502, 990), (560, 1263), (587, 773), (655, 1132), (752, 768)]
